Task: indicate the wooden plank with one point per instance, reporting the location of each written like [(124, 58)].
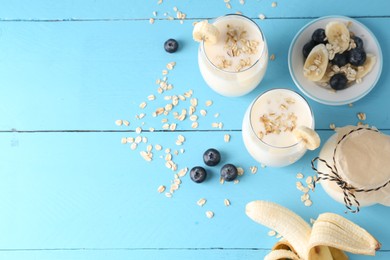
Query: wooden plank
[(87, 190), (85, 75), (122, 9), (191, 254)]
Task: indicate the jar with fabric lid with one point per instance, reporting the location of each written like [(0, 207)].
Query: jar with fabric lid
[(354, 167)]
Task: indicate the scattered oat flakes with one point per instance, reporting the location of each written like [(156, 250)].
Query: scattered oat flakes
[(236, 181), (308, 203), (240, 171), (361, 116), (271, 233), (221, 180), (119, 122), (332, 126), (133, 146), (203, 112), (272, 57), (261, 16), (181, 138), (183, 172), (138, 130), (201, 202), (124, 140), (226, 138), (209, 103), (142, 105), (171, 65), (309, 179), (195, 125), (130, 139), (226, 202), (154, 13), (172, 127), (253, 169), (299, 175), (151, 20), (168, 195), (350, 105), (138, 139), (216, 115), (161, 189), (274, 4), (157, 147), (209, 214), (126, 123)]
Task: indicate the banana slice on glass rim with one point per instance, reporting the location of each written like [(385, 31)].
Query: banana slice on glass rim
[(206, 32), (309, 136)]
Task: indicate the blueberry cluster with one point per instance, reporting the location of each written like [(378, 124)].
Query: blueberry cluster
[(356, 57), (212, 157)]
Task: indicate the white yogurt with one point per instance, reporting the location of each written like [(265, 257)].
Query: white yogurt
[(268, 126), (234, 71)]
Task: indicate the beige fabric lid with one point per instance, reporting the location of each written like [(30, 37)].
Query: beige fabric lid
[(363, 158)]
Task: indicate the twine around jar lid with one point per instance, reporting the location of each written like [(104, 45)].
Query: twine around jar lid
[(337, 175)]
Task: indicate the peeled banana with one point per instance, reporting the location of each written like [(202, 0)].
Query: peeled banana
[(337, 34), (330, 235), (316, 63), (309, 136), (204, 31)]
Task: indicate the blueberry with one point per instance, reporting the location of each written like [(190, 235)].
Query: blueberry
[(211, 157), (319, 36), (198, 174), (307, 48), (338, 81), (357, 57), (358, 41), (229, 172), (341, 59), (171, 45)]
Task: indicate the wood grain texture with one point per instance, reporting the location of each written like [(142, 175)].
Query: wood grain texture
[(85, 75), (70, 190)]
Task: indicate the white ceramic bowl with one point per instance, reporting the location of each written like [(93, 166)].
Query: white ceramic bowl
[(325, 95)]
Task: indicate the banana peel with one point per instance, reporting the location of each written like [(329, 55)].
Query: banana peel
[(329, 237)]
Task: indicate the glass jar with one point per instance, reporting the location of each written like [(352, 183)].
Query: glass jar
[(234, 71), (276, 146)]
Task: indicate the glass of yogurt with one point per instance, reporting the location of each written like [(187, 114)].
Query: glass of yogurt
[(269, 123), (236, 63)]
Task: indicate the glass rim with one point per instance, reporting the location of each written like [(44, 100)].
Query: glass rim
[(255, 63), (284, 89)]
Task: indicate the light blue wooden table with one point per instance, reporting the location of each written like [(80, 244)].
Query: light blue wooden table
[(70, 190)]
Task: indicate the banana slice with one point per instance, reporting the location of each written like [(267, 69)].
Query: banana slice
[(309, 136), (203, 31), (316, 63), (326, 77), (367, 66), (338, 35)]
